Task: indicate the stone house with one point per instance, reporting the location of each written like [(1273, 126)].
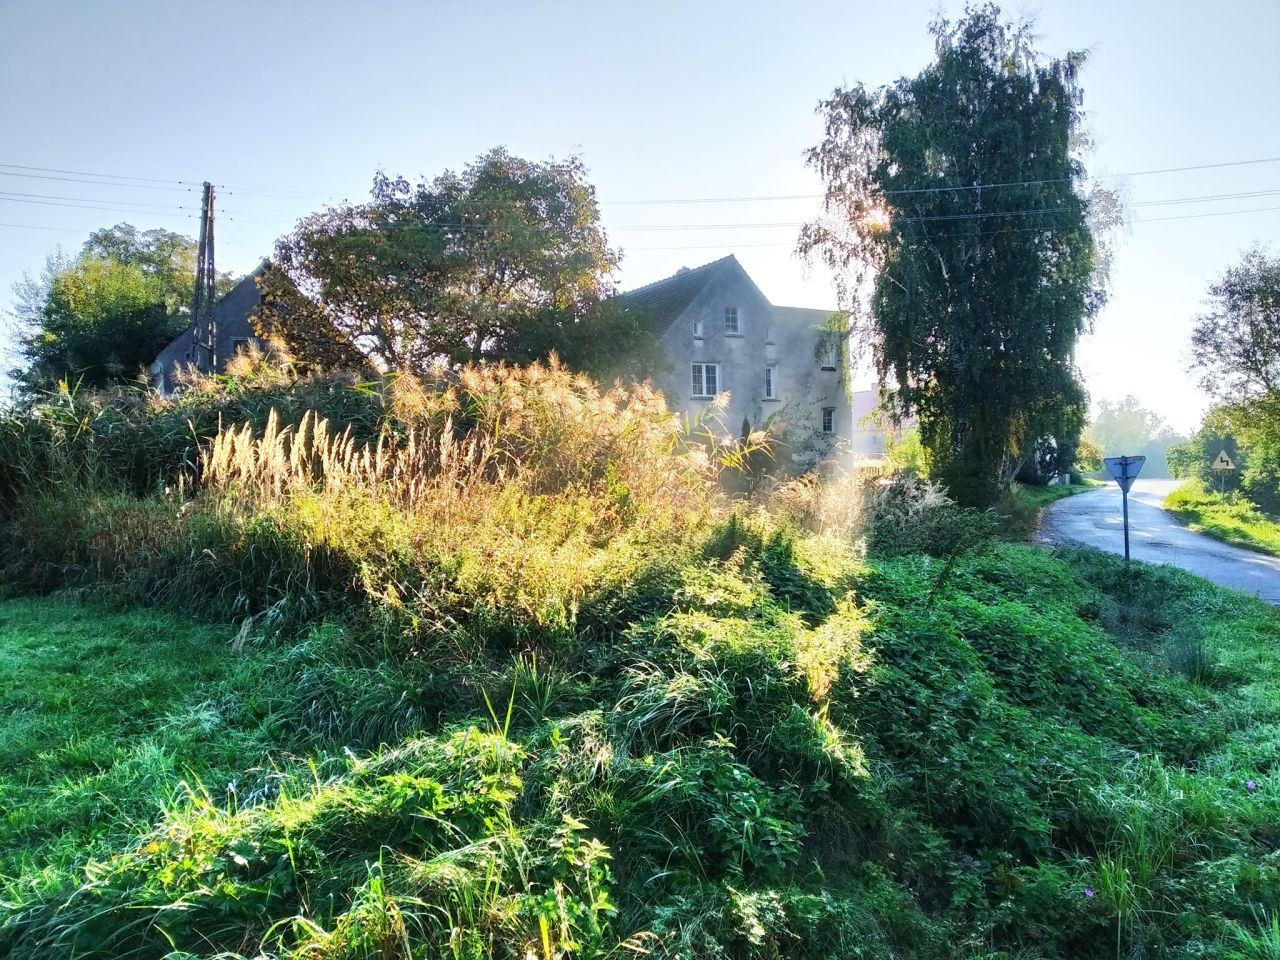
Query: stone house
[(722, 335), (233, 317)]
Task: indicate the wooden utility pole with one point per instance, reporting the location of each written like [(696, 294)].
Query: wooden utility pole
[(204, 325)]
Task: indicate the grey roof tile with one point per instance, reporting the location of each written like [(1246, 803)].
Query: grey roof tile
[(664, 300)]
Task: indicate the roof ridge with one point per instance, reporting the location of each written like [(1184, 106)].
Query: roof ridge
[(683, 271)]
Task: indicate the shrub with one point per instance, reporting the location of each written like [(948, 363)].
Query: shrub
[(910, 515)]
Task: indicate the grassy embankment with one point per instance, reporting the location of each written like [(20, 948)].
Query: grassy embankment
[(524, 684), (1231, 519)]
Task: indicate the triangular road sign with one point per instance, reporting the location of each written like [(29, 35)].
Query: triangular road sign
[(1223, 463), (1124, 470)]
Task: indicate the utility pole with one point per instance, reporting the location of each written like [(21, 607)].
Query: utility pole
[(204, 325)]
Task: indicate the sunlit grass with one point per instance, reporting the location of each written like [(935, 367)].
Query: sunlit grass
[(1229, 518)]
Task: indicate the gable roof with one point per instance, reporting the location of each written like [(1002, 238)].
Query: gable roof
[(664, 300)]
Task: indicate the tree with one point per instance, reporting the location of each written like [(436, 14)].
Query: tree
[(1193, 458), (1236, 345), (1236, 349), (504, 261), (103, 316), (1126, 427), (959, 228)]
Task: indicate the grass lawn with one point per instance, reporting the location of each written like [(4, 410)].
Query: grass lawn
[(104, 713), (1230, 519)]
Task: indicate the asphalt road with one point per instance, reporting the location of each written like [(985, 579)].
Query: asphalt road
[(1095, 519)]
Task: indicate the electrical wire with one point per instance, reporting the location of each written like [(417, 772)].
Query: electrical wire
[(941, 188)]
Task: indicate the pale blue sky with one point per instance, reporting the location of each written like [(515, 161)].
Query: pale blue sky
[(287, 103)]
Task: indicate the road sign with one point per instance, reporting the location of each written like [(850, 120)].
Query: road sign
[(1125, 470), (1223, 463)]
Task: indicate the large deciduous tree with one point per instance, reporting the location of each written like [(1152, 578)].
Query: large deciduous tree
[(102, 316), (958, 225), (1236, 344), (1236, 349), (503, 261)]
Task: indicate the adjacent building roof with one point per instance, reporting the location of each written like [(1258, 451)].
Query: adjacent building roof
[(664, 300)]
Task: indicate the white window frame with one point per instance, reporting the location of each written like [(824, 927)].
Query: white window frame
[(831, 358), (771, 381), (700, 381), (697, 328), (828, 419), (736, 314)]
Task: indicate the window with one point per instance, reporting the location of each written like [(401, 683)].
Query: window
[(731, 325), (239, 345), (830, 357), (697, 328), (770, 383), (828, 419), (706, 379), (768, 334)]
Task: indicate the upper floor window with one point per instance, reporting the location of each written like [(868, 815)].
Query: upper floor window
[(770, 382), (697, 327), (731, 323), (828, 419), (830, 357), (768, 334), (706, 379)]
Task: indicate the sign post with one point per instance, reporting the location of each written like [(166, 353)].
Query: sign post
[(1222, 466), (1125, 470)]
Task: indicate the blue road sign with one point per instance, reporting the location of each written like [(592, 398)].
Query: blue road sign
[(1125, 470)]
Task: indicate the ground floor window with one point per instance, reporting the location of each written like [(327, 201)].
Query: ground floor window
[(828, 419), (770, 383), (706, 379)]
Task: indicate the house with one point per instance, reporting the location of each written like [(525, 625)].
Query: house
[(777, 364), (233, 319)]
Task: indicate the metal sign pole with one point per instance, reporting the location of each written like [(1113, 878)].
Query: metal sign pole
[(1124, 494)]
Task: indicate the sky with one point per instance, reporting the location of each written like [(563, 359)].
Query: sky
[(287, 106)]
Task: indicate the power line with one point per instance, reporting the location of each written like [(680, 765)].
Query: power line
[(956, 187), (81, 206), (1197, 216), (32, 226), (941, 188), (83, 173), (125, 203), (785, 243), (102, 183)]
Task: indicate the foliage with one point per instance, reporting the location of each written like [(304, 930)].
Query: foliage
[(504, 261), (1236, 345), (538, 689), (906, 454), (973, 320), (1194, 458), (1230, 517), (1089, 456), (910, 515), (1125, 427), (102, 317)]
